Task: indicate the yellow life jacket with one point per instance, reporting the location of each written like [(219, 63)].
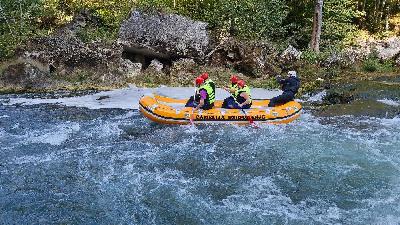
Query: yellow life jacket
[(210, 83), (210, 92), (237, 93)]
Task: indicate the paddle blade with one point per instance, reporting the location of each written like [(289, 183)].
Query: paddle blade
[(191, 119)]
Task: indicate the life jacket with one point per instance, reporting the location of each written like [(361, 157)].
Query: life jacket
[(239, 98), (210, 93), (234, 86), (211, 83)]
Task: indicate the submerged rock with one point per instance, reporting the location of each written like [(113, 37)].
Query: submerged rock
[(337, 97), (376, 98), (370, 108)]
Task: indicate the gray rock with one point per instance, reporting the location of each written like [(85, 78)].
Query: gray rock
[(63, 51), (155, 65), (183, 64), (24, 75), (291, 54), (252, 58), (389, 48), (164, 35), (346, 58), (131, 69)]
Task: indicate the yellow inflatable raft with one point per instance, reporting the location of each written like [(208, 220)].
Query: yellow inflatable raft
[(167, 110)]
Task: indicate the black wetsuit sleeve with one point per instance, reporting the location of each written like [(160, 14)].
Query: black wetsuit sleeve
[(280, 80)]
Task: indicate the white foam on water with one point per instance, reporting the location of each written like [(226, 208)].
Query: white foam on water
[(388, 220), (43, 158), (389, 102), (2, 132), (128, 98), (318, 97), (391, 122), (54, 136), (127, 115), (190, 129), (4, 116), (106, 129)]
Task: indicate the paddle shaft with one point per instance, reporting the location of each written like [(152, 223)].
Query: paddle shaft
[(194, 98)]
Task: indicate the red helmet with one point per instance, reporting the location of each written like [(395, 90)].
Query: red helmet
[(204, 76), (234, 79), (199, 80), (241, 83)]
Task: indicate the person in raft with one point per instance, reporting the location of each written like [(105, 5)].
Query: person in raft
[(242, 97), (290, 86), (204, 97), (232, 89), (208, 81)]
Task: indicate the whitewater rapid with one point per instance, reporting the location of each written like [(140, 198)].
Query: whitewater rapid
[(128, 98), (94, 159)]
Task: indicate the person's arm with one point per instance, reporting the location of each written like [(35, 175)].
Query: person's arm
[(230, 90), (203, 96), (245, 96), (201, 103), (280, 80)]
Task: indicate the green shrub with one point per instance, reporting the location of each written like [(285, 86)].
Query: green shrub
[(371, 64), (374, 64), (313, 57)]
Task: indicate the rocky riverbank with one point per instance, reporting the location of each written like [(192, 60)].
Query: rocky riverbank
[(165, 49)]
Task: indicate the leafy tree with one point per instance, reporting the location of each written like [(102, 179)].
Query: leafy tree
[(245, 18), (377, 14), (337, 22)]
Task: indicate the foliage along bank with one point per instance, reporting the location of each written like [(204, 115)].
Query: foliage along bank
[(287, 22), (284, 22)]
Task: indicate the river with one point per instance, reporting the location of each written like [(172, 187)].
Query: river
[(93, 159)]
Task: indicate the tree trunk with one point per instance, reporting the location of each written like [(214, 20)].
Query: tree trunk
[(317, 24)]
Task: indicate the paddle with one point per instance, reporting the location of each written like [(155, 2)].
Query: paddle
[(191, 115), (251, 121)]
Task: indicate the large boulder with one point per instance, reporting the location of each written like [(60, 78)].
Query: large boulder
[(164, 36), (64, 50), (346, 58), (64, 55), (24, 75), (388, 49), (251, 58), (290, 54)]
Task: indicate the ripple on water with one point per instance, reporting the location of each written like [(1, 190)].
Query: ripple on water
[(116, 167), (53, 136)]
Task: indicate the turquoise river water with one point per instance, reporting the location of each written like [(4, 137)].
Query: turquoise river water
[(66, 164)]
